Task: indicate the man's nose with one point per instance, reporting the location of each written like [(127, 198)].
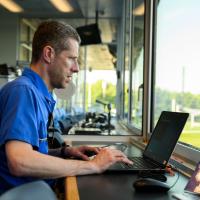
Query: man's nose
[(75, 68)]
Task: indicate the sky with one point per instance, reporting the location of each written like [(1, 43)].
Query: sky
[(178, 45), (108, 76)]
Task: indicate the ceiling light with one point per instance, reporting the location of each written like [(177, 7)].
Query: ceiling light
[(11, 6), (138, 11), (62, 5)]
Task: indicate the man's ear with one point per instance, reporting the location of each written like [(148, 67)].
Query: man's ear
[(48, 54)]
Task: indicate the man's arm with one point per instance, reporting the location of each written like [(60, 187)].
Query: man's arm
[(79, 152), (24, 161), (55, 152)]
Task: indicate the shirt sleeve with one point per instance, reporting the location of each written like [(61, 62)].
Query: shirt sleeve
[(19, 117)]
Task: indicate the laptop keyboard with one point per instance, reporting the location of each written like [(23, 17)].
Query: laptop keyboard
[(139, 163)]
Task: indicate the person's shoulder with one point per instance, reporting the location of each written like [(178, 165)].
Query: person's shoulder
[(19, 84), (20, 81)]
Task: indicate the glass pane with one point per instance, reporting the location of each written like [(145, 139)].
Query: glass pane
[(137, 63), (100, 78), (77, 103), (98, 65), (177, 64), (78, 97)]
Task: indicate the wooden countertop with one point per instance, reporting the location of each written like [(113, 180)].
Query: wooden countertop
[(71, 189)]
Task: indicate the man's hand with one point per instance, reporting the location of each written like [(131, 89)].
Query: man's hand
[(107, 157), (82, 152)]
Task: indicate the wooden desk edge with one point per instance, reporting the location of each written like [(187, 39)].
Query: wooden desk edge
[(71, 188)]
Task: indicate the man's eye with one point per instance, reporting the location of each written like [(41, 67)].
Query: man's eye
[(75, 60)]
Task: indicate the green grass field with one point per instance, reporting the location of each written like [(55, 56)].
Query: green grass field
[(191, 136)]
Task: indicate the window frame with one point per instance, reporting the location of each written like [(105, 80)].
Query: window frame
[(188, 153)]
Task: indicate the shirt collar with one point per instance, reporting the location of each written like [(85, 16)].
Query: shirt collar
[(39, 83)]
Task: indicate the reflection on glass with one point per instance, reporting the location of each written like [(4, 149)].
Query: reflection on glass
[(177, 64)]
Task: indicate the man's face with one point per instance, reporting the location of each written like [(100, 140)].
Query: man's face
[(64, 65)]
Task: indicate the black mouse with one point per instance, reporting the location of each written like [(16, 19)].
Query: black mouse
[(150, 185)]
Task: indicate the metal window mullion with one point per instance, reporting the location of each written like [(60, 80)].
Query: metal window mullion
[(147, 67), (121, 64), (130, 64), (85, 68), (85, 79)]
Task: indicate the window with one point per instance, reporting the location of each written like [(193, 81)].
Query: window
[(133, 63), (97, 77), (177, 82)]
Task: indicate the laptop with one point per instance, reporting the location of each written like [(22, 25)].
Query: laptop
[(161, 144), (192, 188)]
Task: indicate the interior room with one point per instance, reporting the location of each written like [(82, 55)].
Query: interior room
[(137, 89)]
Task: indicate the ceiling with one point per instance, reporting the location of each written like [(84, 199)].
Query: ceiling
[(82, 9), (105, 12)]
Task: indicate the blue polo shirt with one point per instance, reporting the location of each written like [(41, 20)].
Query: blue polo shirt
[(25, 105)]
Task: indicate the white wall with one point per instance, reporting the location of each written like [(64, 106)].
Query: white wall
[(8, 38)]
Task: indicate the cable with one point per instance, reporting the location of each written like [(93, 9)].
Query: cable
[(178, 175)]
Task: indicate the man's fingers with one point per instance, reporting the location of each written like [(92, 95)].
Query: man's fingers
[(126, 160), (122, 157), (84, 157), (94, 149)]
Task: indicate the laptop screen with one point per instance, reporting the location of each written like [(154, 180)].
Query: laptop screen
[(165, 136), (193, 185)]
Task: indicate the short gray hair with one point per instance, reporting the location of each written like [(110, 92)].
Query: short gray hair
[(55, 34)]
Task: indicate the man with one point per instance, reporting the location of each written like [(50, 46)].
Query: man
[(25, 105)]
